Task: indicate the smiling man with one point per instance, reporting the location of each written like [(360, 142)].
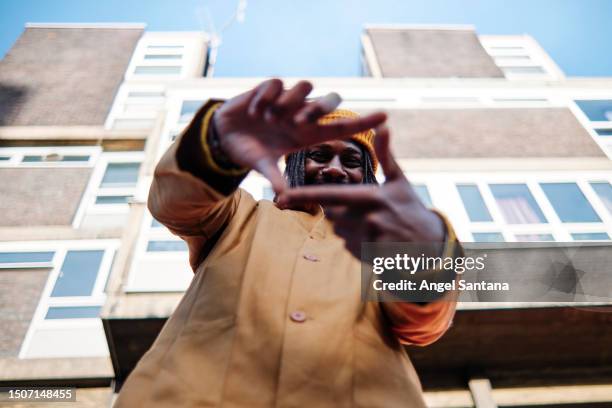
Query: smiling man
[(274, 315)]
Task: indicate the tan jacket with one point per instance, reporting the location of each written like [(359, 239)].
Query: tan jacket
[(273, 316)]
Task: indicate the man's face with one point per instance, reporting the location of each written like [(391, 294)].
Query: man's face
[(334, 162)]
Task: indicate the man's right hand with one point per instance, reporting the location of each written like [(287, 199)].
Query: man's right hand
[(258, 127)]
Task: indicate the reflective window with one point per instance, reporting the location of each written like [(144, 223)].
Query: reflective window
[(158, 70), (590, 236), (113, 199), (156, 224), (597, 110), (517, 204), (604, 132), (488, 237), (73, 312), (604, 191), (163, 246), (9, 259), (534, 237), (78, 274), (569, 202), (474, 204), (54, 157), (188, 109), (162, 56), (423, 194), (120, 175)]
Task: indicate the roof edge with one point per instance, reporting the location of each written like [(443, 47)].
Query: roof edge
[(129, 26)]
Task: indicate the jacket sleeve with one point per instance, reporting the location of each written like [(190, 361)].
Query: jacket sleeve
[(423, 324), (182, 196)]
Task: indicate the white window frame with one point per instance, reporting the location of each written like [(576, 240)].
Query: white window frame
[(98, 297), (443, 192), (88, 205), (17, 154)]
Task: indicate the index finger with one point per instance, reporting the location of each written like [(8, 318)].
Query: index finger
[(333, 195), (345, 128)]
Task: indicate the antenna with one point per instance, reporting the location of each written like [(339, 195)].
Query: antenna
[(216, 37)]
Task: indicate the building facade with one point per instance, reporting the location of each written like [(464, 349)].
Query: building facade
[(487, 128)]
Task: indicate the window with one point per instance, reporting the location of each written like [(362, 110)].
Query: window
[(54, 157), (13, 260), (569, 202), (604, 132), (64, 156), (66, 321), (165, 47), (110, 190), (596, 110), (188, 109), (163, 246), (268, 193), (474, 204), (163, 56), (517, 204), (423, 194), (534, 237), (604, 191), (590, 236), (158, 70), (488, 237), (120, 175), (78, 274)]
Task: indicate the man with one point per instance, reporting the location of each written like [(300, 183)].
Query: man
[(274, 317)]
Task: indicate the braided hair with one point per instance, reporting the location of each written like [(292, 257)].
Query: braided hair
[(295, 171)]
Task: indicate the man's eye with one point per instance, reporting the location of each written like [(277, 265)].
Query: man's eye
[(318, 156), (352, 162)]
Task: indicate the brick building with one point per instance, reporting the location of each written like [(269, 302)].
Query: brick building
[(487, 128)]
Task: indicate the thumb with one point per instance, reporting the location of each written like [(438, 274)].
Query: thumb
[(268, 167), (382, 141)]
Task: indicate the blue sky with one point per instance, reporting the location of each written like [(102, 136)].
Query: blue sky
[(321, 37)]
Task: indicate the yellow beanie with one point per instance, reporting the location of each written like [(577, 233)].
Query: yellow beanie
[(366, 139)]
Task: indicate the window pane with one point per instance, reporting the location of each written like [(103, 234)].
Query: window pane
[(590, 236), (604, 191), (164, 47), (534, 237), (423, 194), (73, 312), (25, 257), (517, 204), (604, 132), (121, 199), (596, 110), (162, 246), (162, 56), (5, 158), (120, 175), (156, 224), (569, 202), (55, 158), (188, 109), (158, 70), (474, 204), (488, 237), (78, 274)]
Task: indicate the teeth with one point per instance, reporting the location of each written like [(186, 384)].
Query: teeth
[(330, 101)]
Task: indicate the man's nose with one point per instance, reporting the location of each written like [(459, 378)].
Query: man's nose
[(334, 171)]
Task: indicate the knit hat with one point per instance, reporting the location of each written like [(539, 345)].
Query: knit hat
[(365, 139)]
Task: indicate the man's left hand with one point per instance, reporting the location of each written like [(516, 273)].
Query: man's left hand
[(391, 212)]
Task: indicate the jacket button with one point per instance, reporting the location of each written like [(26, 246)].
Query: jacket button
[(310, 257), (298, 316)]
